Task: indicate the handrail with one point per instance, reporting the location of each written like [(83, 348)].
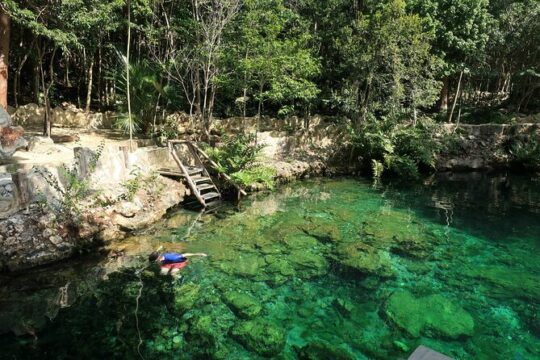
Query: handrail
[(186, 173), (216, 166), (213, 163)]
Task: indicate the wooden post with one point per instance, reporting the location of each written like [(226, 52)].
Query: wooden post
[(22, 190), (125, 151)]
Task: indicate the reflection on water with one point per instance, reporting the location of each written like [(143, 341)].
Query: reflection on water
[(323, 269)]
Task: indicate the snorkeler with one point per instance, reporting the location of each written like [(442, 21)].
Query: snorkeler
[(171, 263)]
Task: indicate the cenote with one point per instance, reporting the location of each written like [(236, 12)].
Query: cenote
[(318, 269)]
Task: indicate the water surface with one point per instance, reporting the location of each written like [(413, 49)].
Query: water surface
[(320, 269)]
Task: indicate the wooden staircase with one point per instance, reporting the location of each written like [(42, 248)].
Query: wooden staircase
[(196, 175)]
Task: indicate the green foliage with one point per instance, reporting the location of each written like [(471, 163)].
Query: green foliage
[(262, 175), (237, 157), (387, 146), (145, 89), (132, 185), (238, 153), (527, 153)]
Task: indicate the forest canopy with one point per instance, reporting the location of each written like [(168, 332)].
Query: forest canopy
[(351, 58)]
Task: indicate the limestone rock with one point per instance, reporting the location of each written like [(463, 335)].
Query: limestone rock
[(322, 350), (186, 296), (42, 144), (364, 259), (433, 314), (5, 118), (262, 336), (507, 281), (242, 304), (11, 140)]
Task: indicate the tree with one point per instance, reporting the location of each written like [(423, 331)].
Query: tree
[(462, 31), (272, 58), (5, 26), (391, 65)]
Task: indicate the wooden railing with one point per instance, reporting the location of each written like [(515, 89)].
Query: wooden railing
[(211, 162)]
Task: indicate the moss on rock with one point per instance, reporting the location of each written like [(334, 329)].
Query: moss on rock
[(363, 258), (322, 350), (401, 232), (242, 304), (508, 281), (430, 314), (186, 296), (261, 336)]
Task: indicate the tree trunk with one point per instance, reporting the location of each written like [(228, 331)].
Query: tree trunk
[(458, 94), (4, 57), (443, 102), (90, 78), (130, 120)]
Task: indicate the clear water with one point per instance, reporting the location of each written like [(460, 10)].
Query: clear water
[(321, 269)]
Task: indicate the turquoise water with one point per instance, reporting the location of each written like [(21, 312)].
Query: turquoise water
[(321, 269)]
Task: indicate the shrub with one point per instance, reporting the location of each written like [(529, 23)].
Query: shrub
[(386, 146), (75, 190), (527, 153), (237, 153), (263, 175), (238, 156)]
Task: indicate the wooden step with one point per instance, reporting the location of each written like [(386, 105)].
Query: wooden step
[(202, 187), (200, 179), (170, 172), (210, 195), (192, 170)]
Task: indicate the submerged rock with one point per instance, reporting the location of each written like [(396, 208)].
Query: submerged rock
[(364, 259), (243, 305), (262, 336), (186, 296), (321, 350), (508, 281), (433, 314), (398, 231)]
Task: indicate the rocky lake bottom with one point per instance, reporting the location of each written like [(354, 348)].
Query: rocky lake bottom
[(319, 269)]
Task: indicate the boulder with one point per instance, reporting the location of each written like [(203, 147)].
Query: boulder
[(244, 305), (322, 350), (5, 118), (11, 140), (261, 336), (429, 315), (399, 231), (308, 264), (363, 259), (186, 296), (42, 144)]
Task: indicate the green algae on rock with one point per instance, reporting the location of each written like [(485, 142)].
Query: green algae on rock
[(508, 282), (364, 259), (242, 304), (399, 231), (322, 350), (262, 336), (186, 296), (433, 314)]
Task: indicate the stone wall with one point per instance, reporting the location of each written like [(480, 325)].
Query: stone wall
[(483, 147), (29, 234), (32, 116)]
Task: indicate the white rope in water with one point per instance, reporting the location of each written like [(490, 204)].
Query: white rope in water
[(137, 312)]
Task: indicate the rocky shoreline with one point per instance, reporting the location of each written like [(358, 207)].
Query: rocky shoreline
[(127, 195)]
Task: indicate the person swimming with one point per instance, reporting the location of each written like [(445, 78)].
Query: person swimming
[(170, 262)]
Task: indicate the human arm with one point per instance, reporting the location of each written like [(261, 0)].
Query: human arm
[(194, 254)]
